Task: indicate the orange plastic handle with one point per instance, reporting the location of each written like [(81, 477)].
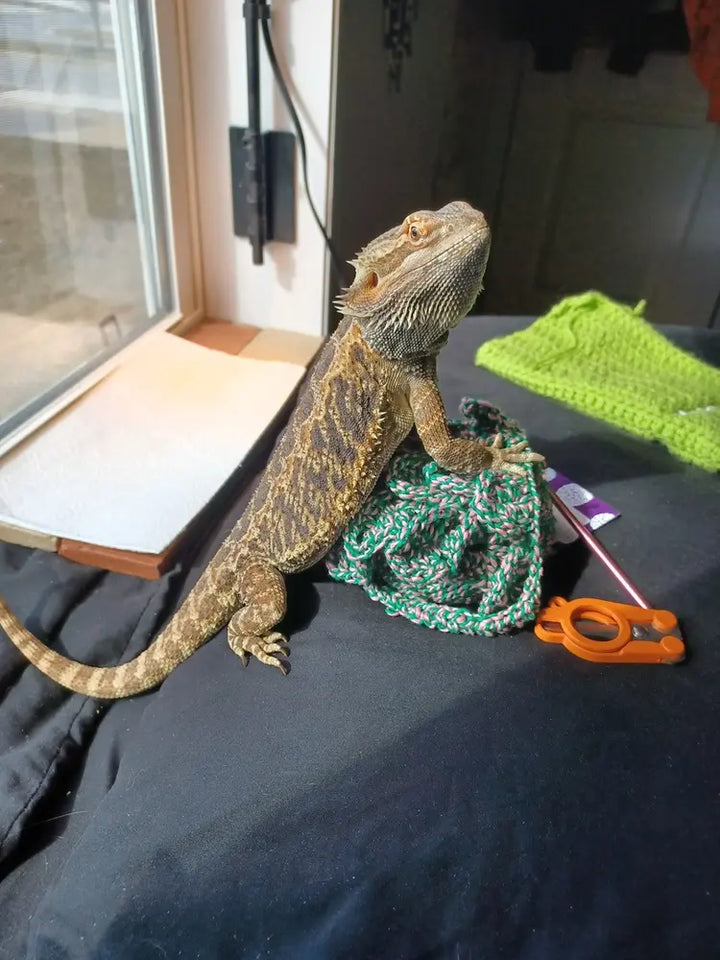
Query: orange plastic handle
[(557, 624)]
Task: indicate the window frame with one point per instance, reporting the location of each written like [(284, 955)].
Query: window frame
[(167, 21)]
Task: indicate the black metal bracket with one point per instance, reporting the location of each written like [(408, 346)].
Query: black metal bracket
[(263, 171), (253, 11), (277, 183)]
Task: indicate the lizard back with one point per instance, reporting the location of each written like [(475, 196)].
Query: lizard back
[(352, 415)]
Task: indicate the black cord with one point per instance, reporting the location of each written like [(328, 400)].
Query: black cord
[(270, 49)]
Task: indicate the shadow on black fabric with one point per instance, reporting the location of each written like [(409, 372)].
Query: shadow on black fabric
[(607, 459)]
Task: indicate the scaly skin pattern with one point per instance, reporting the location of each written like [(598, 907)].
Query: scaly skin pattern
[(374, 379)]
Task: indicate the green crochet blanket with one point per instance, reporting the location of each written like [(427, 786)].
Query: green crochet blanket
[(604, 359), (461, 554)]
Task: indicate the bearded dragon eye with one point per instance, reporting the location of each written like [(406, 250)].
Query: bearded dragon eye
[(414, 232)]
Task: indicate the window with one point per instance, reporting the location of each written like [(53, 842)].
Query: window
[(87, 253)]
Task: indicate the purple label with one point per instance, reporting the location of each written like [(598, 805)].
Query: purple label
[(589, 509)]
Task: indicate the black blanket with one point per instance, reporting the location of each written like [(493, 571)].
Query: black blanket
[(403, 793)]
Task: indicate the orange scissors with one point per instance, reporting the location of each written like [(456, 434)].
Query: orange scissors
[(608, 632)]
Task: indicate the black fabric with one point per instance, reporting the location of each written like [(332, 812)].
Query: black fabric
[(403, 793)]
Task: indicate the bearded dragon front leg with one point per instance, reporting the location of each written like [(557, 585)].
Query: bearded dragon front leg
[(455, 454), (250, 629)]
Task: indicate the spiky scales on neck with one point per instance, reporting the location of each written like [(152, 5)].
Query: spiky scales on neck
[(417, 281)]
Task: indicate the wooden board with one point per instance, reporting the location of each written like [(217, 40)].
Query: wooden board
[(236, 339)]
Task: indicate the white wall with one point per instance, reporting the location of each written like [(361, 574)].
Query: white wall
[(287, 291)]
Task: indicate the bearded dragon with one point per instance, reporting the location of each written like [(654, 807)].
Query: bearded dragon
[(374, 379)]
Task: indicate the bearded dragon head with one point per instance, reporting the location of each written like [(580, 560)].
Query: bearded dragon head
[(417, 281)]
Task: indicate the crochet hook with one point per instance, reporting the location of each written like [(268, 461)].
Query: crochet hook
[(600, 552)]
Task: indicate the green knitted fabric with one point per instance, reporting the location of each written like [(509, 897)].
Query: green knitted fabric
[(605, 360), (459, 554)]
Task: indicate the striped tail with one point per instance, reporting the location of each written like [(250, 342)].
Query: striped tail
[(208, 607), (147, 670)]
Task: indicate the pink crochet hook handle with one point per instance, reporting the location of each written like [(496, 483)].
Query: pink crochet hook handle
[(600, 552)]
